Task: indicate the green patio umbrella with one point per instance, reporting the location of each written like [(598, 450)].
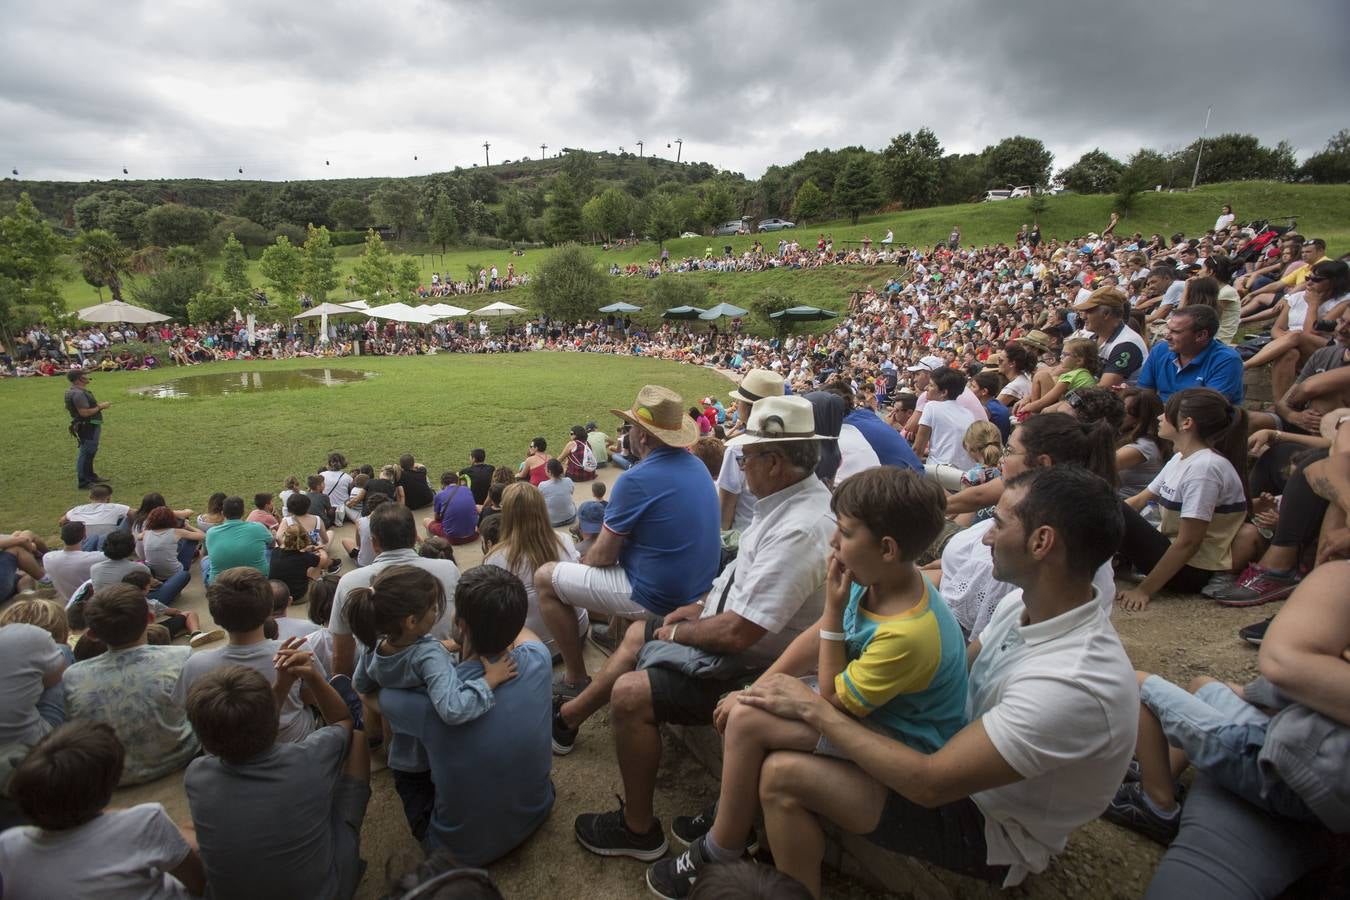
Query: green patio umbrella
[(682, 312), (803, 314)]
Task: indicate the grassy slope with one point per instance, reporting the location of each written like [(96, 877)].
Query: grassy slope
[(1324, 211), (438, 408)]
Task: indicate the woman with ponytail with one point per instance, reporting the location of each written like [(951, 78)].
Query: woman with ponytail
[(1201, 493)]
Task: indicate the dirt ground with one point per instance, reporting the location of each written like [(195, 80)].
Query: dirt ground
[(1176, 637)]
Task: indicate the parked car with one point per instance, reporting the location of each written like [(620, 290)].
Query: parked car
[(689, 234), (775, 224), (991, 196), (1023, 191), (735, 226)]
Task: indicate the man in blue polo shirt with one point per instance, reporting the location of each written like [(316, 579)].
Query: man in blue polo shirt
[(660, 545), (1193, 357)]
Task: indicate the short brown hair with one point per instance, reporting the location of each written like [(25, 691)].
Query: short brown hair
[(117, 614), (239, 599), (233, 712), (896, 503), (69, 776)]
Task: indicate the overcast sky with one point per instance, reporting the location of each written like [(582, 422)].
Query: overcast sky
[(193, 89)]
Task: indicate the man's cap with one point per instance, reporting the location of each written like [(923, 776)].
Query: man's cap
[(1102, 296), (591, 517)]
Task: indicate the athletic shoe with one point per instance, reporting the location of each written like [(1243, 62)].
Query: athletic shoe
[(688, 829), (1133, 773), (202, 638), (564, 738), (1255, 633), (603, 637), (1130, 810), (343, 685), (334, 566), (1257, 585), (568, 691), (674, 878), (1218, 583), (608, 835)]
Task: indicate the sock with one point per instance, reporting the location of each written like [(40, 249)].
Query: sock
[(1156, 810), (720, 854)]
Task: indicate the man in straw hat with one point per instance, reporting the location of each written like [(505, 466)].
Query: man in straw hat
[(1123, 351), (736, 499), (660, 545), (677, 670)]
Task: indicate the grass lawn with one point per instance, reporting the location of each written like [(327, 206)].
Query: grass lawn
[(437, 408)]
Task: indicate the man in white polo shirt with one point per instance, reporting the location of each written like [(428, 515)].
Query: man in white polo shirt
[(1053, 711), (100, 516)]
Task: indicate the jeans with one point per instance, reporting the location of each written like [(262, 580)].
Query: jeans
[(621, 461), (168, 592), (1221, 734), (84, 460)]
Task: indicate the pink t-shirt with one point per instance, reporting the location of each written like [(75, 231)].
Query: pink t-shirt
[(265, 517)]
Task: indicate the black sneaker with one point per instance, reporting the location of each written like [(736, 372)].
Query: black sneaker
[(603, 637), (607, 834), (334, 566), (674, 878), (568, 691), (564, 738), (1256, 633), (688, 829), (1130, 810)]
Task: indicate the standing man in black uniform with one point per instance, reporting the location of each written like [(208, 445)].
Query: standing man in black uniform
[(86, 423)]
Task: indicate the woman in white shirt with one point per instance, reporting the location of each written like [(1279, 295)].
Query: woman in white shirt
[(1225, 218), (939, 441), (1325, 297)]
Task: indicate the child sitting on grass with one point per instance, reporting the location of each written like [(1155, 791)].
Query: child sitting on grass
[(76, 847), (240, 601), (276, 819), (887, 650), (131, 686)]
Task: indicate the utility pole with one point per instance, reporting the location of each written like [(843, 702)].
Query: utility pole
[(679, 149), (639, 143), (1196, 177), (486, 161), (543, 149)]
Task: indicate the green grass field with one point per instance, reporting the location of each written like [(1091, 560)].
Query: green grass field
[(1323, 210), (438, 408)]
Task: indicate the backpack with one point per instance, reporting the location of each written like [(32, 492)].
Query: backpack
[(588, 462)]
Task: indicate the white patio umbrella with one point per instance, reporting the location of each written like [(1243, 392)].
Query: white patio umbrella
[(497, 310), (444, 310), (323, 311), (357, 304), (118, 311), (401, 312)]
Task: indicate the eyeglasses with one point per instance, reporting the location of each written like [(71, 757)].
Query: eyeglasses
[(1315, 279), (744, 459), (1009, 451)]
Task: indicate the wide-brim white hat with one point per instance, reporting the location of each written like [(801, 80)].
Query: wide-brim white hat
[(776, 419)]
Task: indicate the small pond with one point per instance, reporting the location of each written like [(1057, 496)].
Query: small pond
[(246, 382)]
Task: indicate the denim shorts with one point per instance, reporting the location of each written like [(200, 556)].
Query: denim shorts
[(1221, 735), (9, 575)]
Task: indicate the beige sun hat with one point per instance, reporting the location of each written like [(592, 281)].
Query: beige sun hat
[(776, 419), (662, 412), (758, 384), (1037, 340)]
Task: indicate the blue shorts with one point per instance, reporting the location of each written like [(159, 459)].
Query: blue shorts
[(1222, 735), (9, 575)]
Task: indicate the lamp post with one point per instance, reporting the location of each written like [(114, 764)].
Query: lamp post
[(486, 161), (543, 148), (639, 143), (678, 149), (1203, 134)]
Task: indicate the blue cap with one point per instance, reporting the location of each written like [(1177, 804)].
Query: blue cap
[(591, 517)]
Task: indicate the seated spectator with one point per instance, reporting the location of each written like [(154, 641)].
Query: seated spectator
[(532, 469), (456, 515), (1192, 357), (131, 686), (412, 482), (319, 605), (240, 601), (887, 650), (479, 474), (527, 541), (320, 504), (20, 552), (599, 442), (1078, 368), (1305, 324), (68, 568), (169, 552), (296, 561), (490, 777), (735, 502), (1202, 497), (942, 427), (360, 549), (557, 490), (337, 487), (33, 703), (1053, 719), (577, 457), (300, 514), (984, 444), (100, 515), (235, 543), (289, 487), (987, 385), (590, 522), (272, 817), (1140, 451), (64, 786), (263, 511)]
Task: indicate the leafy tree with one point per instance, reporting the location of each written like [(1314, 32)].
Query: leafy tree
[(396, 205), (563, 220), (912, 168), (103, 260), (1095, 172), (349, 212), (662, 221), (569, 285), (668, 293), (772, 192), (962, 178), (1332, 165), (718, 206), (1235, 157), (172, 224), (174, 281), (234, 269), (248, 234), (515, 223), (299, 203), (254, 207), (407, 278), (580, 167), (810, 202), (231, 291), (1017, 160), (590, 220), (114, 211), (374, 271), (283, 267), (612, 212), (1147, 169), (30, 267), (483, 220), (318, 271), (443, 226), (857, 190)]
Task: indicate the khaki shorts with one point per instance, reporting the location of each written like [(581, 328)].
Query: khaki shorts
[(602, 589)]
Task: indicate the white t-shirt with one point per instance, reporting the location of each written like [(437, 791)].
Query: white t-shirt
[(338, 486), (1202, 486), (365, 553), (732, 480), (27, 655), (99, 518), (856, 454), (123, 854), (68, 569), (1018, 388), (967, 401), (948, 421), (534, 619), (1060, 703)]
